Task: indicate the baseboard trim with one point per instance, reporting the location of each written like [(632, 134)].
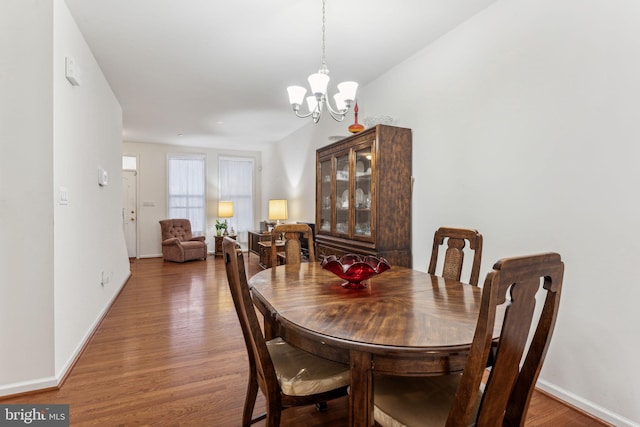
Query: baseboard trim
[(54, 383), (66, 370), (584, 406), (150, 256), (28, 387)]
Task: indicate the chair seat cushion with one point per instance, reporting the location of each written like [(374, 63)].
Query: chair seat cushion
[(193, 244), (415, 401), (301, 373)]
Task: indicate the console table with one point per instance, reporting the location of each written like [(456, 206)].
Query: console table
[(256, 237), (265, 252)]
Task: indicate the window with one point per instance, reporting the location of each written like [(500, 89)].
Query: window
[(236, 185), (129, 163), (186, 183)]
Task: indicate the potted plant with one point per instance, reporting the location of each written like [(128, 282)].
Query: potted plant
[(220, 225)]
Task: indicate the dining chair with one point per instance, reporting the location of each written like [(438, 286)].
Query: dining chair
[(454, 255), (292, 234), (457, 400), (286, 375)]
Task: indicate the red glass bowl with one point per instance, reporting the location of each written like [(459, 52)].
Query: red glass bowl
[(355, 269)]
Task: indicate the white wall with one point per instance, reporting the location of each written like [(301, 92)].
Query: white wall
[(525, 126), (26, 194), (152, 189), (91, 262), (289, 172), (54, 135)]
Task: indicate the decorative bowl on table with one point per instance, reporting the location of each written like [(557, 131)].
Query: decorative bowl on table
[(355, 269)]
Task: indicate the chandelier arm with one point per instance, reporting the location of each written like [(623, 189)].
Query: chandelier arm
[(303, 116), (338, 117), (338, 112)]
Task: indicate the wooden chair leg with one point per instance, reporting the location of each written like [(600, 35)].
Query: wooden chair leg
[(273, 417), (250, 400)]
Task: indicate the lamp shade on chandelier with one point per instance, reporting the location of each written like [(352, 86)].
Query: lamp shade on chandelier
[(319, 82)]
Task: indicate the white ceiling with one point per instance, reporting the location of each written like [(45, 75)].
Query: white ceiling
[(216, 71)]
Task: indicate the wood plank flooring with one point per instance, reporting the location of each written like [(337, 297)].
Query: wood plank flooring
[(170, 353)]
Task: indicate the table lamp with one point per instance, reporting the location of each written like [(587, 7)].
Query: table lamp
[(278, 210), (225, 210)]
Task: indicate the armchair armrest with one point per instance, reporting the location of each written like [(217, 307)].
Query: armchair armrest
[(170, 242), (196, 238)]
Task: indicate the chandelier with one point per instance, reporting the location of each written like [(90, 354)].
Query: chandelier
[(318, 98)]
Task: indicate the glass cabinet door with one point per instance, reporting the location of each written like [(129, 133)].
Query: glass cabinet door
[(342, 194), (363, 193), (325, 196)]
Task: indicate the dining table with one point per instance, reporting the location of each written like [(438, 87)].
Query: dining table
[(404, 322)]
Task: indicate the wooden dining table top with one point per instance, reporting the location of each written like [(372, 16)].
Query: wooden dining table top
[(405, 322), (399, 308)]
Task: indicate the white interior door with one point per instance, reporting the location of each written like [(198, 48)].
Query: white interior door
[(129, 211)]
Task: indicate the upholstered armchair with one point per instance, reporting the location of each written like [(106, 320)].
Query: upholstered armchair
[(178, 244)]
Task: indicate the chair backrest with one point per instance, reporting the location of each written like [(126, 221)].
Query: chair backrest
[(259, 358), (180, 228), (454, 255), (292, 233), (509, 387)]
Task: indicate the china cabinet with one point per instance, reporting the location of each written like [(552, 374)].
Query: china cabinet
[(363, 195)]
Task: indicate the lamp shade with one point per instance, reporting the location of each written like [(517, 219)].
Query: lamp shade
[(348, 90), (225, 209), (312, 103), (278, 210), (318, 83), (296, 94), (341, 103)]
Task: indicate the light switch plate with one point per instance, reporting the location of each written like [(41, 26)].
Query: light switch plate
[(63, 196), (72, 72)]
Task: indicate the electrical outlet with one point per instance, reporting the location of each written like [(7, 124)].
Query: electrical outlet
[(104, 279)]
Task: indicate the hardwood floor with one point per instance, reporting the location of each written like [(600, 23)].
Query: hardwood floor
[(170, 353)]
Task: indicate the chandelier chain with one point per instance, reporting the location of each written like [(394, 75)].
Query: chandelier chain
[(318, 81), (324, 59)]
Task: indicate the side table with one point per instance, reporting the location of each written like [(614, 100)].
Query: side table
[(218, 243)]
